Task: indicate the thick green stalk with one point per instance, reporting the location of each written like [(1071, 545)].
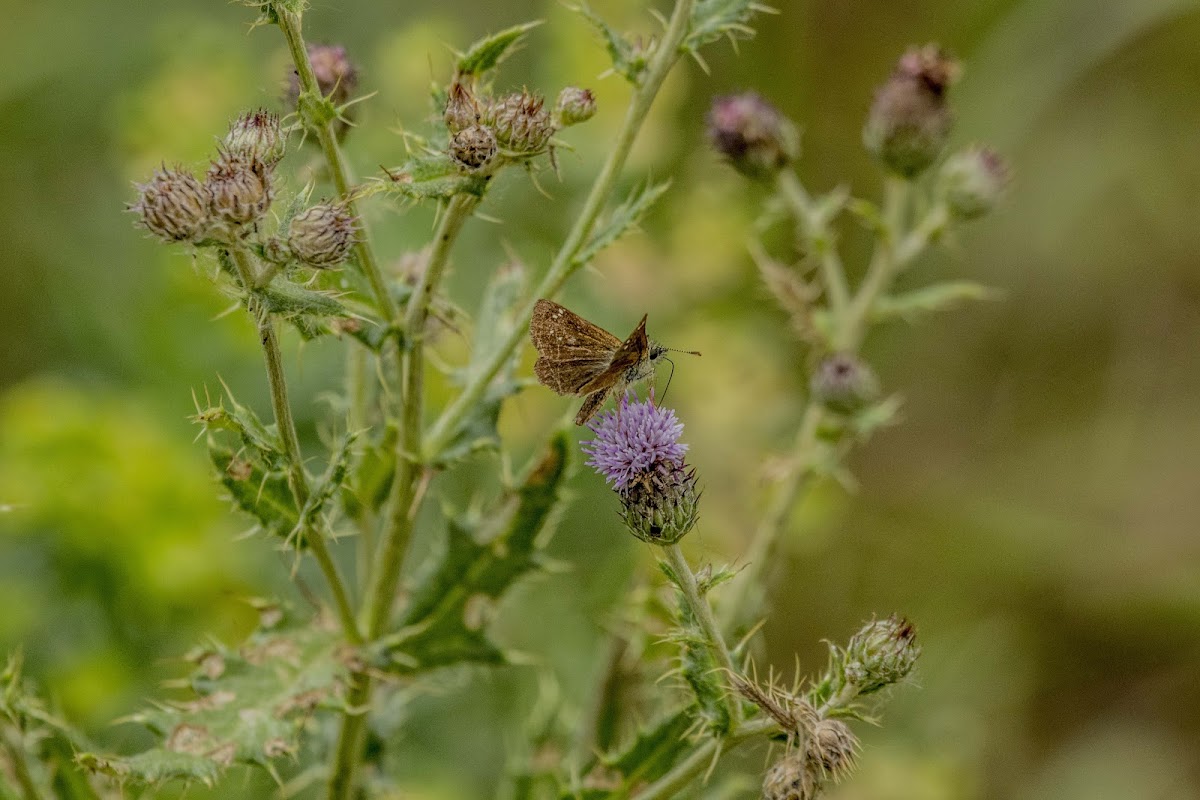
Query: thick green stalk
[(565, 263), (296, 476), (702, 611), (695, 765)]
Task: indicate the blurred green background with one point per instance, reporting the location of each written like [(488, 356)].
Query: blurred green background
[(1036, 512)]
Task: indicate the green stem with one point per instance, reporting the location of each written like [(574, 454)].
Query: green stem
[(851, 327), (565, 263), (296, 476), (702, 757), (686, 580), (815, 232), (19, 763), (290, 24)]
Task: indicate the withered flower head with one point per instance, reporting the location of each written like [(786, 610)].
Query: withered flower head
[(239, 188), (173, 205), (322, 236), (521, 122), (473, 148)]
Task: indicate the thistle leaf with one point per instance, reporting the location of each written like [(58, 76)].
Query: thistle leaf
[(261, 492), (719, 19), (488, 52), (430, 177), (627, 60), (910, 306), (648, 757), (623, 219)]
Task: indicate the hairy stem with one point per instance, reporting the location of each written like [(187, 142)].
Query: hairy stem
[(286, 426), (700, 759), (815, 232), (565, 262), (698, 604)]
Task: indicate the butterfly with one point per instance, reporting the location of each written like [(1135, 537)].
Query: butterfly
[(577, 357)]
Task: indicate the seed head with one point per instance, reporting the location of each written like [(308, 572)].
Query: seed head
[(239, 188), (473, 148), (973, 181), (574, 106), (520, 122), (173, 205), (257, 135), (321, 236), (462, 109), (910, 119), (882, 653), (833, 747), (790, 778), (750, 132), (844, 384)]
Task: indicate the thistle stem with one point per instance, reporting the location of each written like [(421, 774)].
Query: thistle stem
[(698, 604), (565, 262), (296, 476), (687, 770), (19, 763), (815, 231)]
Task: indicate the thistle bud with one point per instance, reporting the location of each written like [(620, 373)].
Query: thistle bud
[(257, 135), (660, 506), (337, 80), (844, 384), (520, 122), (473, 148), (972, 182), (239, 189), (881, 654), (574, 106), (173, 205), (790, 778), (910, 119), (462, 110), (833, 747), (321, 236), (750, 132)]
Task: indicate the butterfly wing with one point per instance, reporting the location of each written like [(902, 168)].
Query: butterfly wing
[(591, 405), (572, 352), (631, 353)]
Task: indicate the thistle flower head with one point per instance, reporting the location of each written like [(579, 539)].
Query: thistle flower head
[(972, 182), (574, 106), (881, 654), (321, 236), (257, 135), (173, 205), (239, 188), (910, 119), (843, 383), (473, 148), (521, 122), (750, 132)]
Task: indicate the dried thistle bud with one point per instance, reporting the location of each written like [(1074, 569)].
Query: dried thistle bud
[(790, 778), (750, 132), (337, 79), (833, 747), (881, 654), (462, 109), (910, 119), (520, 122), (239, 188), (844, 384), (257, 135), (173, 205), (321, 236), (574, 106), (473, 148), (973, 181)]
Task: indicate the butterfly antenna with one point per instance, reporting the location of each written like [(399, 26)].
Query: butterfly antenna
[(689, 352), (671, 375)]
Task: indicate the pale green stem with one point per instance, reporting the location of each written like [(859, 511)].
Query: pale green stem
[(815, 231), (851, 327), (290, 24), (19, 763), (842, 698), (701, 759), (286, 426), (701, 610), (565, 262)]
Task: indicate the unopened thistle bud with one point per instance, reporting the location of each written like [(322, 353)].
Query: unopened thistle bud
[(574, 106), (257, 135), (750, 132), (910, 119), (521, 122), (321, 236), (833, 747), (790, 778), (462, 109), (844, 384), (973, 181), (881, 654), (239, 188), (473, 148), (337, 80), (637, 450), (173, 205)]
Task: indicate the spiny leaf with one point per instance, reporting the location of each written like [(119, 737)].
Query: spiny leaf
[(627, 60), (648, 757), (926, 300), (623, 218), (261, 492), (431, 177), (489, 51), (439, 624), (286, 299), (717, 19), (373, 475), (242, 420)]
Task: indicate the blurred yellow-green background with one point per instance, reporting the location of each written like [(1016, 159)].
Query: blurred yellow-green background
[(1036, 512)]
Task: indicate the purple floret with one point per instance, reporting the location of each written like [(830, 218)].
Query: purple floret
[(634, 439)]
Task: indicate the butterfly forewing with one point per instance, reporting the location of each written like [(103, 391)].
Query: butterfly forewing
[(572, 352), (631, 353)]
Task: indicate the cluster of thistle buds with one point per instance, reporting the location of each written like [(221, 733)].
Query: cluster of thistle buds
[(637, 450), (517, 125), (227, 207)]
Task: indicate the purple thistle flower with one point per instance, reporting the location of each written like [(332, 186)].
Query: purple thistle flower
[(635, 439)]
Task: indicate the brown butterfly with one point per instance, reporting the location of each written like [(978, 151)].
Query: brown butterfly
[(576, 357)]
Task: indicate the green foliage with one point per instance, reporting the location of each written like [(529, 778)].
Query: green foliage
[(628, 59), (717, 19), (487, 53), (911, 306), (651, 754), (443, 623), (623, 219), (431, 177)]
